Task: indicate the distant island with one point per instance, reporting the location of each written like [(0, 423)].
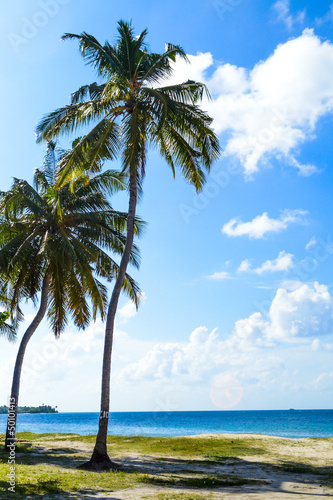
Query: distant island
[(31, 409)]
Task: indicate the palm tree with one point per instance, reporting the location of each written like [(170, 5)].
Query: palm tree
[(130, 113), (56, 241)]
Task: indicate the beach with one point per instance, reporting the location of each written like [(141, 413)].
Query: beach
[(209, 466)]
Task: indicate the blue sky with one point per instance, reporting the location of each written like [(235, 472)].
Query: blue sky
[(237, 308)]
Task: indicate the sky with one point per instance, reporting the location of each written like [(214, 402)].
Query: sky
[(237, 296)]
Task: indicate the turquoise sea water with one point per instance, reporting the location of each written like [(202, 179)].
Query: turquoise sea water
[(285, 423)]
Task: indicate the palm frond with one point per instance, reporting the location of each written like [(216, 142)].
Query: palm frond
[(6, 329), (100, 144), (92, 91), (189, 92), (183, 155), (67, 119), (108, 183), (67, 231), (103, 58)]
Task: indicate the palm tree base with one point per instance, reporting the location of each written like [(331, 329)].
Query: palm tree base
[(100, 463)]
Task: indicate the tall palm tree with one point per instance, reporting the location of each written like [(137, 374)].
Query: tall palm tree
[(56, 241), (129, 113)]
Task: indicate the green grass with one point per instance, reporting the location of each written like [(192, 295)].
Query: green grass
[(46, 465), (31, 436), (49, 479), (207, 447)]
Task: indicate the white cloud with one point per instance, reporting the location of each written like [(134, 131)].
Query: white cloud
[(315, 345), (283, 351), (291, 284), (283, 262), (223, 275), (323, 382), (263, 224), (193, 71), (304, 169), (203, 355), (269, 111), (282, 10), (245, 266), (312, 243), (327, 18), (129, 309), (296, 317), (75, 360), (304, 312)]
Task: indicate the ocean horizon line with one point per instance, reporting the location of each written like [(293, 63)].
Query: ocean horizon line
[(201, 411), (294, 423)]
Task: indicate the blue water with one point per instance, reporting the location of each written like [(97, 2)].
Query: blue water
[(285, 423)]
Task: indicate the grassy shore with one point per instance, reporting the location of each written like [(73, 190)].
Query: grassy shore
[(216, 466)]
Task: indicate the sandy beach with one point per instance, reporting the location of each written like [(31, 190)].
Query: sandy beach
[(278, 484)]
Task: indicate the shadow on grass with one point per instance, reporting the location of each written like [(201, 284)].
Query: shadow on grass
[(33, 454), (50, 488), (279, 466), (197, 465), (228, 474), (213, 472)]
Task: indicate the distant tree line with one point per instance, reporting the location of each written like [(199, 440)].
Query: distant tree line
[(31, 409)]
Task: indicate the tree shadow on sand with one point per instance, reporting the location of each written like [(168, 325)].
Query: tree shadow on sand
[(227, 474)]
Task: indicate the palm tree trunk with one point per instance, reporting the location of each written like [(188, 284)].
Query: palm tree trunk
[(12, 415), (100, 459)]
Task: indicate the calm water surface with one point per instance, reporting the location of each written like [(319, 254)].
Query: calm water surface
[(285, 423)]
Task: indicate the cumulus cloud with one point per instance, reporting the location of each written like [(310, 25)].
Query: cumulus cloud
[(282, 10), (263, 224), (283, 262), (298, 317), (259, 354), (268, 111), (203, 355), (304, 312)]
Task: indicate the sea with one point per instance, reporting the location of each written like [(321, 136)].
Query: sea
[(284, 423)]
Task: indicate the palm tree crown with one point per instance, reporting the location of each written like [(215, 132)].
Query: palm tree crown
[(129, 112), (65, 233)]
